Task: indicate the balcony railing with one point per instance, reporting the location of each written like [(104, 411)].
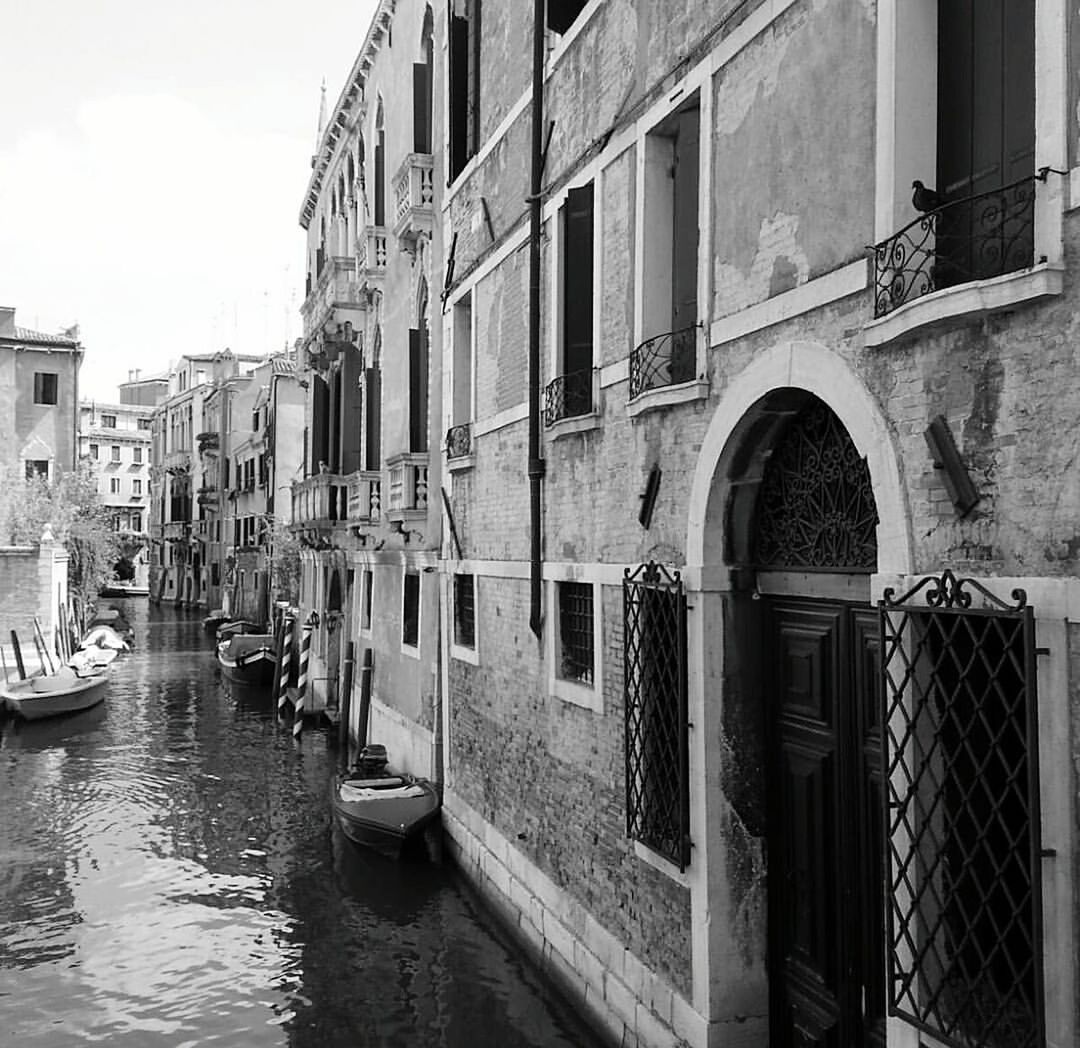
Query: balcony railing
[(408, 483), (568, 396), (664, 360), (323, 498), (414, 197), (459, 441), (371, 254), (365, 496), (978, 237)]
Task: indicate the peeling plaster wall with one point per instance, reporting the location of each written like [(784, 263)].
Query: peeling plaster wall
[(785, 108)]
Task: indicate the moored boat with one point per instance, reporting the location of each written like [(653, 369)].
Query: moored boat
[(123, 589), (381, 809), (51, 696), (248, 658)]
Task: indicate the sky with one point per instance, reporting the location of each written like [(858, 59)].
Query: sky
[(154, 157)]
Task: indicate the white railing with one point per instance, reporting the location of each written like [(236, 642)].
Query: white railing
[(414, 196), (409, 483)]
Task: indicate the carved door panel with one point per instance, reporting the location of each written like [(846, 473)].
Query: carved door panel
[(826, 952)]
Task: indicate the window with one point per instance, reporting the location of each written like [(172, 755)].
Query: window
[(45, 387), (215, 573), (380, 167), (108, 421), (367, 586), (94, 452), (422, 90), (144, 423), (465, 611), (410, 610), (114, 485), (561, 14), (575, 628), (666, 354), (418, 389), (37, 468), (136, 522), (136, 486), (136, 454), (657, 724), (464, 83), (115, 453)]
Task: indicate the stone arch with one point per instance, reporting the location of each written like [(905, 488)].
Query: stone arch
[(740, 435)]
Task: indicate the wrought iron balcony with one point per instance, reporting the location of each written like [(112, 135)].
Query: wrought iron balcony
[(414, 197), (568, 396), (408, 484), (975, 238), (459, 441), (665, 360)]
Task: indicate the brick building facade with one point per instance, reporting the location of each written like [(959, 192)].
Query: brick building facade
[(737, 724)]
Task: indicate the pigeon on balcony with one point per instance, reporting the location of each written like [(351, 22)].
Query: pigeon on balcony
[(924, 199)]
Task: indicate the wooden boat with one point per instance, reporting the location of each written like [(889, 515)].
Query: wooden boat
[(123, 589), (51, 696), (248, 658), (384, 810), (214, 621)]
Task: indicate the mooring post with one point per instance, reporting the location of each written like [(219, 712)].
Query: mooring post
[(284, 662), (366, 671), (346, 699), (301, 684)]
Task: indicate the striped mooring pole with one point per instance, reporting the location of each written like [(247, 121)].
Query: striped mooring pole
[(284, 661), (301, 683)]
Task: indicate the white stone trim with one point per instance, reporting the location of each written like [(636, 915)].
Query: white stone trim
[(589, 696), (613, 374), (459, 651), (518, 413), (815, 368), (966, 302), (830, 287), (658, 862), (564, 427), (668, 396), (1074, 189)]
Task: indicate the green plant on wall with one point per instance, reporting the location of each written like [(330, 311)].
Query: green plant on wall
[(285, 563)]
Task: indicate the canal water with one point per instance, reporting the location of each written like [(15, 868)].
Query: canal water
[(169, 876)]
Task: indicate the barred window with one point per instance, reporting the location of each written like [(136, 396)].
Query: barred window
[(657, 780), (465, 611), (575, 652)]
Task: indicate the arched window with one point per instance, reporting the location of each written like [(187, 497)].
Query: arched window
[(422, 95)]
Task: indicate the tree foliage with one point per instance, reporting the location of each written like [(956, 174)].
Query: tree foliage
[(72, 509), (285, 560)]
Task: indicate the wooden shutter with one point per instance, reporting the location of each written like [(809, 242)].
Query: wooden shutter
[(578, 280), (352, 413), (684, 251), (474, 76), (418, 391), (459, 92), (421, 107), (380, 178), (373, 402), (320, 410)]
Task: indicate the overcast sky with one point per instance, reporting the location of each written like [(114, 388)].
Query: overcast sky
[(153, 161)]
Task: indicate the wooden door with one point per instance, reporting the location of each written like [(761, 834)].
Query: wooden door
[(826, 949)]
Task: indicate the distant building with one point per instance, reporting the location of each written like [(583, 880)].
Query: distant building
[(39, 397), (148, 392), (179, 526), (114, 439)]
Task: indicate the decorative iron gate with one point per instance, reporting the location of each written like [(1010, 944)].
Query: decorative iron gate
[(654, 653), (960, 746)]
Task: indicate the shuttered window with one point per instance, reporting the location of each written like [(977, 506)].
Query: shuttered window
[(418, 390), (44, 387), (464, 83)]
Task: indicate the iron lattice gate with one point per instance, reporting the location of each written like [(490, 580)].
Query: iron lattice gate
[(654, 653), (960, 746)]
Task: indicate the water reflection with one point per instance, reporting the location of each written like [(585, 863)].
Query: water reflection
[(168, 876)]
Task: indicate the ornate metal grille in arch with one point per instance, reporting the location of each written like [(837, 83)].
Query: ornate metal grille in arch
[(654, 653), (960, 747), (815, 504)]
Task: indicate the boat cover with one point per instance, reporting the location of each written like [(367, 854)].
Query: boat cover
[(370, 792)]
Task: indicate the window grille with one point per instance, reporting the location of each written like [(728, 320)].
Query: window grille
[(576, 632), (960, 745), (657, 723), (464, 611)]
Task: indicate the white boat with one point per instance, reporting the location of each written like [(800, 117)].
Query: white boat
[(51, 696)]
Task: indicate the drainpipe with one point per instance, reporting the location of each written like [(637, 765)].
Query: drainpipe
[(536, 463)]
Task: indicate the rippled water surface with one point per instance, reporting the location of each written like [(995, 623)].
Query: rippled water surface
[(169, 877)]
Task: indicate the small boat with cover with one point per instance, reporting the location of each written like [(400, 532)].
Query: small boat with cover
[(248, 658), (382, 809), (65, 691)]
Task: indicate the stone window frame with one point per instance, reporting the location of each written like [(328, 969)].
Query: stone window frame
[(588, 696), (412, 650), (906, 148), (460, 651), (367, 597), (457, 337), (44, 388)]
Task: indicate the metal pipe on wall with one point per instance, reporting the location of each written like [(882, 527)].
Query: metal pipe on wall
[(536, 463)]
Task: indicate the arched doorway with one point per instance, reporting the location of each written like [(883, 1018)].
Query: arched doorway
[(801, 543)]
